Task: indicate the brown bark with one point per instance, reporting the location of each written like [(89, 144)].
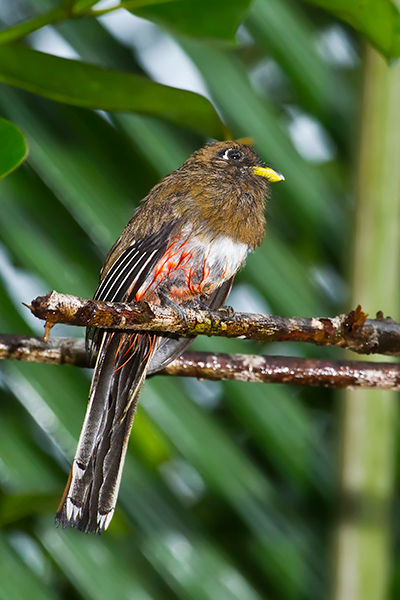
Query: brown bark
[(353, 331), (205, 365)]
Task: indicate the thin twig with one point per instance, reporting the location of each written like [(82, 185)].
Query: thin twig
[(205, 365), (353, 331)]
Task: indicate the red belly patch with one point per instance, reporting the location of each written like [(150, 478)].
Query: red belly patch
[(178, 257)]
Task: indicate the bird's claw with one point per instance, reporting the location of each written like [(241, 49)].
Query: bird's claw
[(228, 310), (166, 301), (199, 304)]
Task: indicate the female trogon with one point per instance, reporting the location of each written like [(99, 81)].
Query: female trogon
[(184, 244)]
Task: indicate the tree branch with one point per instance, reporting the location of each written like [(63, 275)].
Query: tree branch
[(57, 351), (353, 331), (205, 365)]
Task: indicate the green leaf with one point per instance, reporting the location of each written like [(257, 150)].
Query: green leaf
[(377, 20), (16, 507), (17, 579), (13, 147), (93, 566), (200, 19), (81, 84), (80, 5)]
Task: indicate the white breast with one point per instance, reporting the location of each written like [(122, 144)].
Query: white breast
[(224, 252), (221, 253)]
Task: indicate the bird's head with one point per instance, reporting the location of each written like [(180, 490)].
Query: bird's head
[(223, 186), (232, 160)]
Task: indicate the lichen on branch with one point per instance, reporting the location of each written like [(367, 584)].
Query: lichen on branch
[(353, 330)]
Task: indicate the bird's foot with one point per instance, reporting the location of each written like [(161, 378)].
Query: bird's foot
[(228, 309), (166, 301), (198, 303)]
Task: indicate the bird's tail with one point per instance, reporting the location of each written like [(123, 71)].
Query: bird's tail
[(90, 496)]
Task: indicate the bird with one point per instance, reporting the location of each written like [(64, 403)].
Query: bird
[(182, 247)]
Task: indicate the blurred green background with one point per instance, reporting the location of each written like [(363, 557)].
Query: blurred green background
[(230, 490)]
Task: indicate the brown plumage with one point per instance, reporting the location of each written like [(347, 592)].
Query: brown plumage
[(184, 243)]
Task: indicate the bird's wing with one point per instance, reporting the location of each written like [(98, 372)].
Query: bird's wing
[(127, 274)]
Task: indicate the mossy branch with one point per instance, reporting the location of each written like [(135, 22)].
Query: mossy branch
[(353, 331)]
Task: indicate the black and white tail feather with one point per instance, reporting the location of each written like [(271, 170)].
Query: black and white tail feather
[(123, 359), (91, 493)]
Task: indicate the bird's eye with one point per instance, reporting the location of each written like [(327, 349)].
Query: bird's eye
[(232, 154)]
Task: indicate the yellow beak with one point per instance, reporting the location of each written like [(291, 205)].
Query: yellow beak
[(268, 173)]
